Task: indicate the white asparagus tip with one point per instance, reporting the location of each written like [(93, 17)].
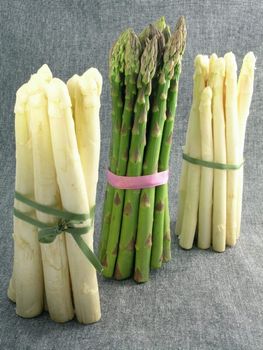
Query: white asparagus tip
[(220, 66), (249, 62), (74, 78), (92, 74), (201, 65), (21, 98), (230, 62), (45, 73), (57, 92)]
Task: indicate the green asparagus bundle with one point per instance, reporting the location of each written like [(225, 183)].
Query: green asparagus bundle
[(210, 190), (144, 77)]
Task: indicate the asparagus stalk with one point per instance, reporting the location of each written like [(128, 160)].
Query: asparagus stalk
[(172, 55), (184, 172), (86, 98), (206, 185), (27, 277), (219, 192), (73, 192), (232, 146), (245, 92), (132, 66), (191, 197), (54, 256), (46, 75), (129, 218), (161, 229), (116, 70)]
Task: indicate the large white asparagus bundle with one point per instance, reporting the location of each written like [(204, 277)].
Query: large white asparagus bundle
[(211, 184), (55, 193)]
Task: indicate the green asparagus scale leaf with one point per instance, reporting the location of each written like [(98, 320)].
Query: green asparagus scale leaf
[(116, 77), (172, 56)]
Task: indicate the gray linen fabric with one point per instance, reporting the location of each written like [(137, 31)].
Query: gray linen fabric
[(200, 300)]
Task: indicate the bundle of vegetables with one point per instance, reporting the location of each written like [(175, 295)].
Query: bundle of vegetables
[(57, 156), (211, 184), (144, 74)]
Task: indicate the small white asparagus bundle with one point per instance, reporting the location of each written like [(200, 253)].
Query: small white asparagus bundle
[(212, 196), (26, 285), (74, 198), (54, 256), (191, 183), (206, 186), (245, 92), (232, 146)]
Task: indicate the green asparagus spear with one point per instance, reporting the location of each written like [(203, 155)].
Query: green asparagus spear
[(116, 70), (132, 66), (172, 55), (129, 220), (161, 210)]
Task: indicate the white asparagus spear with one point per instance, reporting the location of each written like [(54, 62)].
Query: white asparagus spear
[(54, 255), (245, 92), (217, 74), (46, 75), (27, 273), (184, 172), (86, 97), (72, 187), (232, 146), (206, 186), (190, 212)]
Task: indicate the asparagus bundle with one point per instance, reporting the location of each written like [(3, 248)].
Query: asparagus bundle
[(57, 154), (210, 190), (144, 76)]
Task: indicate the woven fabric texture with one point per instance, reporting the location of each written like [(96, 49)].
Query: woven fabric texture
[(201, 299)]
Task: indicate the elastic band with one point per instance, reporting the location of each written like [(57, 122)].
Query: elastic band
[(213, 165), (66, 223), (137, 182)]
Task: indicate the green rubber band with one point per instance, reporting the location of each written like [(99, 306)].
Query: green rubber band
[(48, 233), (212, 165)]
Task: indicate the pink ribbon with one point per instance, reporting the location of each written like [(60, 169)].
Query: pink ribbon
[(137, 182)]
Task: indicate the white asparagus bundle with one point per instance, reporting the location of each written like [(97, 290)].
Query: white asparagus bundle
[(49, 172), (54, 255), (245, 92), (189, 220), (74, 198), (211, 197), (206, 186)]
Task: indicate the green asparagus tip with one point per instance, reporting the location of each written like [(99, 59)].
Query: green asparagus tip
[(132, 54), (117, 55), (148, 61), (160, 24), (175, 47)]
